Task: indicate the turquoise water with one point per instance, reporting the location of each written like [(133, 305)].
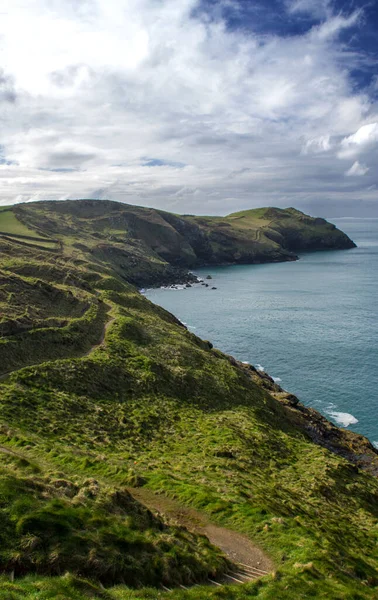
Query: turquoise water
[(311, 324)]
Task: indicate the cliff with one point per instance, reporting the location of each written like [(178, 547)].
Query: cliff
[(150, 247)]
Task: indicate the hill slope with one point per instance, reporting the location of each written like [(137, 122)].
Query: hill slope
[(147, 246), (119, 395)]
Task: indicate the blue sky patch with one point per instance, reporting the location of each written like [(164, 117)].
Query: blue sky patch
[(160, 162)]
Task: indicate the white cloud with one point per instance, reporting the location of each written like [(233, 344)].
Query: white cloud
[(7, 93), (357, 170), (316, 8), (331, 24), (320, 144), (97, 86), (365, 137), (334, 25)]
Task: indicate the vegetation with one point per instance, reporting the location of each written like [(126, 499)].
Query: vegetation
[(13, 229), (149, 247), (119, 395), (9, 224)]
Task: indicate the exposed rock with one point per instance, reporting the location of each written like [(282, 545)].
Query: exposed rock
[(354, 447)]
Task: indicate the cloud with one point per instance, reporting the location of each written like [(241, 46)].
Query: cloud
[(7, 92), (316, 145), (319, 9), (330, 24), (335, 25), (43, 148), (365, 137), (357, 170), (70, 76), (315, 8), (223, 117)]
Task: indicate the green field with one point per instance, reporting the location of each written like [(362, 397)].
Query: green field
[(11, 225)]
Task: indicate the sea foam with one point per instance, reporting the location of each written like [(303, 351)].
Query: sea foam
[(343, 419)]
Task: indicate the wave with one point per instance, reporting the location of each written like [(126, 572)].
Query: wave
[(344, 419), (260, 367), (276, 379), (375, 444)]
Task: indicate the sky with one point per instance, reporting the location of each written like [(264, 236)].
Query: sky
[(192, 106)]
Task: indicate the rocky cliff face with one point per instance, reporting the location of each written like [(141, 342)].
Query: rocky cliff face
[(305, 233)]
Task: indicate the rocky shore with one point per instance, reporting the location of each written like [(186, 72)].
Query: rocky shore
[(354, 447)]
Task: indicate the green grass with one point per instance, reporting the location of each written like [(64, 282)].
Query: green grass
[(148, 247), (51, 525), (254, 218), (38, 242), (17, 232), (154, 406), (51, 342), (31, 303), (9, 224)]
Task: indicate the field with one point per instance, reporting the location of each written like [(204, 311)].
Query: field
[(12, 228), (10, 224)]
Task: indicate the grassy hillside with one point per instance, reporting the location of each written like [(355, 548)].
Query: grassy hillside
[(150, 247), (290, 228), (106, 399)]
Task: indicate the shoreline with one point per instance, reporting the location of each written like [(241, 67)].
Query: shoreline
[(354, 447), (182, 275)]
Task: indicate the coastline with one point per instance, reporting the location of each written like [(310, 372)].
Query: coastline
[(353, 446), (180, 275)]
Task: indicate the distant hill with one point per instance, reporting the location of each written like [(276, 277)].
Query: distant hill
[(124, 437), (148, 246)]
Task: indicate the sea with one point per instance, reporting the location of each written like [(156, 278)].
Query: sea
[(311, 324)]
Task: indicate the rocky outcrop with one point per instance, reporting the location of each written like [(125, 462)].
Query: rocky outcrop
[(354, 447)]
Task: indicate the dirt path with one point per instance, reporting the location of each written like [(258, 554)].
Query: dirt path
[(249, 561), (102, 339), (7, 451)]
